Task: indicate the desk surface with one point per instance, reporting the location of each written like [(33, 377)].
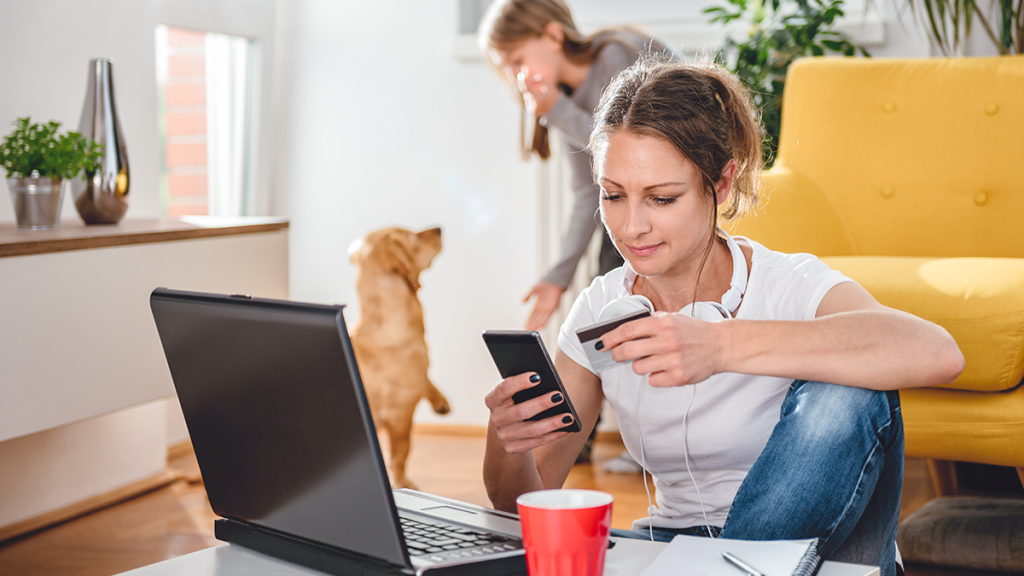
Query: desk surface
[(628, 558)]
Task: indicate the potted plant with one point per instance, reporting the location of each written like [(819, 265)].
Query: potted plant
[(38, 163), (948, 23), (781, 31)]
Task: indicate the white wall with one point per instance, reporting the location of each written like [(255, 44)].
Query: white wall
[(371, 122), (47, 46), (383, 127), (383, 120)]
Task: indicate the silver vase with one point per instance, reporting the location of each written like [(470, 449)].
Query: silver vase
[(102, 198)]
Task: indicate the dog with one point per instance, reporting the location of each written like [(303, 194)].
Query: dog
[(388, 339)]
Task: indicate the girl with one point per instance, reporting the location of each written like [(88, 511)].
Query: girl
[(778, 421), (560, 73)]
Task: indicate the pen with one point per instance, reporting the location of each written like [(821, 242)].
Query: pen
[(741, 564)]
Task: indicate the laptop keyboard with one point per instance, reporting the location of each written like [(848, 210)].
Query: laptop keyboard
[(447, 541)]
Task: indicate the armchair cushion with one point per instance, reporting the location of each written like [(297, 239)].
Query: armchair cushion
[(978, 300), (984, 427)]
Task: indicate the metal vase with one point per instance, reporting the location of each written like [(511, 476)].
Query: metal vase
[(37, 202), (102, 198)]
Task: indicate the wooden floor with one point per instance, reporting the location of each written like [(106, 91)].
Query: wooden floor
[(177, 519)]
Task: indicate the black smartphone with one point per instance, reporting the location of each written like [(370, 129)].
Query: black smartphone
[(518, 351)]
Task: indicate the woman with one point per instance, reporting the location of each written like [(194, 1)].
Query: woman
[(779, 422), (560, 73)]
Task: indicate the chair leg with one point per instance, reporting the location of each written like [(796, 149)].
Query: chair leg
[(1020, 474), (944, 477)]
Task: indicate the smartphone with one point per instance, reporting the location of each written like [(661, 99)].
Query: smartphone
[(518, 351)]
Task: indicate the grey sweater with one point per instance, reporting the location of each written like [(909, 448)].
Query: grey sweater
[(573, 117)]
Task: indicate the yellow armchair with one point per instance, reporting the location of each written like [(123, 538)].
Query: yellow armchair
[(908, 176)]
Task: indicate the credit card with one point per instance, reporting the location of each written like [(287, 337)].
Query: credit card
[(601, 360)]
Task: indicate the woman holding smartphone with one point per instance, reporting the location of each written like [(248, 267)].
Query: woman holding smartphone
[(560, 73), (780, 421)]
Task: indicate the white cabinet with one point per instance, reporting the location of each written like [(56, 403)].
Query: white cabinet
[(78, 344)]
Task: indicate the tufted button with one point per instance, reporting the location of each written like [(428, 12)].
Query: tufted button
[(981, 198), (991, 108), (888, 192), (889, 107)]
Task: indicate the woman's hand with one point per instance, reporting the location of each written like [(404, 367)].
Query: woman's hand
[(539, 93), (548, 296), (509, 420), (674, 349)]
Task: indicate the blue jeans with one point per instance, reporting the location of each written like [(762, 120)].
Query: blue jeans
[(832, 470)]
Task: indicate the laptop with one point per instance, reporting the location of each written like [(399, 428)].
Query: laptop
[(282, 431)]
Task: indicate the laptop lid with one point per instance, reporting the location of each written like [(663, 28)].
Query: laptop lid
[(279, 422)]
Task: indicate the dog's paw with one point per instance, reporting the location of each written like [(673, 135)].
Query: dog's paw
[(403, 482)]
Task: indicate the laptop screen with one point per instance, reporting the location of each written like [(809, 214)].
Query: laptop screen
[(278, 419)]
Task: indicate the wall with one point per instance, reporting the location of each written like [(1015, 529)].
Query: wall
[(386, 117), (382, 126), (53, 41), (369, 119), (47, 79)]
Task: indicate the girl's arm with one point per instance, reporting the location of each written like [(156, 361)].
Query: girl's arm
[(586, 197), (523, 456), (853, 340)]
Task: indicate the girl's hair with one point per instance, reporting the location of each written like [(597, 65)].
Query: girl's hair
[(700, 109), (510, 21)]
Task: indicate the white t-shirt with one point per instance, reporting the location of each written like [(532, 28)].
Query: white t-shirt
[(732, 415)]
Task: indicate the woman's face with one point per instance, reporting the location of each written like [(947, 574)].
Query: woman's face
[(653, 204)]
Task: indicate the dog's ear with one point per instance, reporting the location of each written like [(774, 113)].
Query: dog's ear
[(355, 254), (400, 259)]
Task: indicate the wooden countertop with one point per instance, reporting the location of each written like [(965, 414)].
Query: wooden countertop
[(76, 235)]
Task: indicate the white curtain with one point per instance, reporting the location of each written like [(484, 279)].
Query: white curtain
[(227, 82)]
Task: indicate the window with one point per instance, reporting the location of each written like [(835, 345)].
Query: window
[(203, 86)]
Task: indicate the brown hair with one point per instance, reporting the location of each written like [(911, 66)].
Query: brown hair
[(508, 22), (699, 108)]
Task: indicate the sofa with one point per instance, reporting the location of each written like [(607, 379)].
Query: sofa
[(907, 175)]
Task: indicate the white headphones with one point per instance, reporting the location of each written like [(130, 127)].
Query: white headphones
[(707, 311)]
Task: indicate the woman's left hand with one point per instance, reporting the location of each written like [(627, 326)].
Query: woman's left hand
[(675, 350), (539, 93)]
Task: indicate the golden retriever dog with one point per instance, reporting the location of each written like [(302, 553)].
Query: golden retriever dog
[(388, 339)]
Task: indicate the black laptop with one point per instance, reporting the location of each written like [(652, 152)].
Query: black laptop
[(282, 431)]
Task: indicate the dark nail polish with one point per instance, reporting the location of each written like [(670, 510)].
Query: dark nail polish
[(535, 378), (556, 398), (599, 345), (567, 420)]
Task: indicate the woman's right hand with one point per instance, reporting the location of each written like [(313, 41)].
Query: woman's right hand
[(513, 429), (539, 93)]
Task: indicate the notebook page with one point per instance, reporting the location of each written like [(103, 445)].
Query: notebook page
[(699, 556)]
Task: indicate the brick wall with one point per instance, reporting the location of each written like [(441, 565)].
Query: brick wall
[(185, 124)]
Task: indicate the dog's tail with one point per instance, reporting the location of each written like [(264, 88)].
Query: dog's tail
[(437, 399)]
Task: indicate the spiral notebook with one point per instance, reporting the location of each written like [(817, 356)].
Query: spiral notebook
[(698, 556)]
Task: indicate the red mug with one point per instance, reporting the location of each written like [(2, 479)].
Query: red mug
[(565, 532)]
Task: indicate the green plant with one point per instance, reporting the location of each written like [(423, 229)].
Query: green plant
[(37, 150), (949, 23), (780, 33)]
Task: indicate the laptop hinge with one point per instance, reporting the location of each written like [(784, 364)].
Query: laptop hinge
[(299, 551)]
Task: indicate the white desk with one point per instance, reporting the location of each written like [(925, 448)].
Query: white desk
[(628, 558)]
